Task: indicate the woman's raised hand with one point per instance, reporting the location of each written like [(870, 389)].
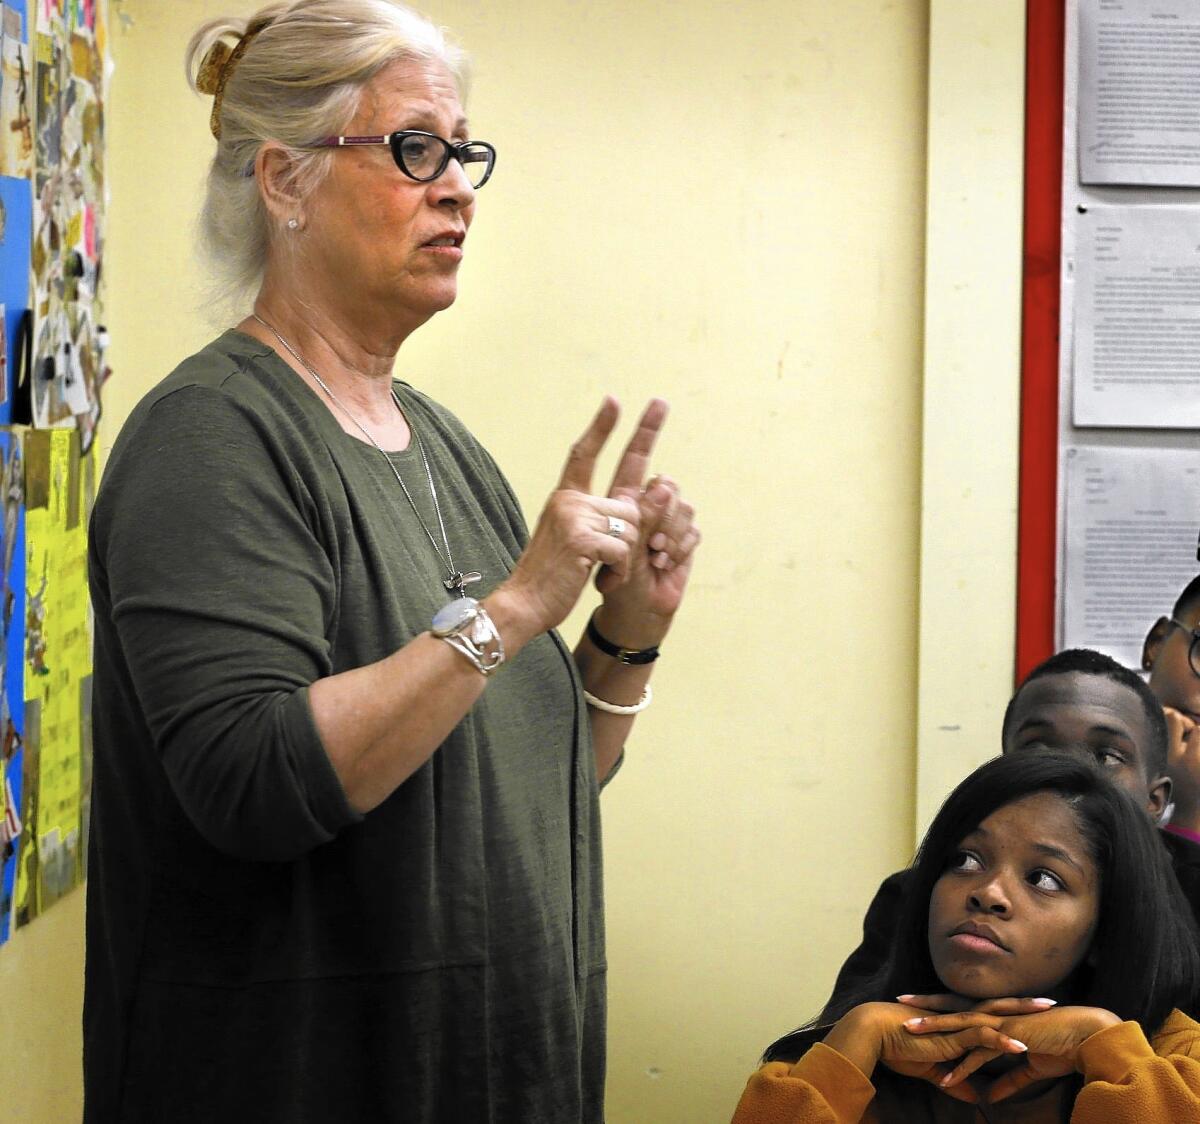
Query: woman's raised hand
[(575, 530), (638, 606), (643, 568)]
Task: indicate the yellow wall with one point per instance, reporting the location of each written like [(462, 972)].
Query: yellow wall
[(41, 994), (723, 203), (971, 390)]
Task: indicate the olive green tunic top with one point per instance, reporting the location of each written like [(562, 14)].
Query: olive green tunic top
[(256, 949)]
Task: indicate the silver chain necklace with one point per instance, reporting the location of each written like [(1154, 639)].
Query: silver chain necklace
[(455, 580)]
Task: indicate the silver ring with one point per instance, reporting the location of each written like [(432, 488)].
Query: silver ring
[(616, 527)]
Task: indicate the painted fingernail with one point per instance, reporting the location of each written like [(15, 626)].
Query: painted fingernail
[(1045, 1002), (903, 998), (946, 1080), (1019, 1046), (913, 1022)]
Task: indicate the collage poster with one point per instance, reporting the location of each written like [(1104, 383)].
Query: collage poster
[(16, 96), (16, 189), (68, 194), (52, 342)]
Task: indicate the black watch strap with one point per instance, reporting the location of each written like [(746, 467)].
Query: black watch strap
[(621, 655)]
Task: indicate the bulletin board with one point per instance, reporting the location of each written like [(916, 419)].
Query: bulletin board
[(1109, 492), (53, 73)]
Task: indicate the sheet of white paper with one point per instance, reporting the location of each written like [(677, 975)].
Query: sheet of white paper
[(1131, 522), (1139, 92), (1137, 317)]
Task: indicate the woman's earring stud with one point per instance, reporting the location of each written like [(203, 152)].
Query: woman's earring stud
[(293, 224)]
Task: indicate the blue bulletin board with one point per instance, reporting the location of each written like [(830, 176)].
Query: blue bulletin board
[(16, 188), (52, 88), (12, 680), (16, 245)]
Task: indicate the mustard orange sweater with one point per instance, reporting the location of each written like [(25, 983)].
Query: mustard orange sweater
[(1127, 1080)]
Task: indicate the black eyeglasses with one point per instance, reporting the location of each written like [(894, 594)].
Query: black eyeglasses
[(424, 156), (1194, 647)]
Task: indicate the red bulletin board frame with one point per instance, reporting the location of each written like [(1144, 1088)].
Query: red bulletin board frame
[(1037, 502)]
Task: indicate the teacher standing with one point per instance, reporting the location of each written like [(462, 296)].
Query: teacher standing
[(345, 852)]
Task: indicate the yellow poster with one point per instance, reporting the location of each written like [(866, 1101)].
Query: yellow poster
[(57, 670)]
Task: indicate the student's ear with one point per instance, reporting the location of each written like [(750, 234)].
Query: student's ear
[(1158, 797), (1153, 643), (275, 173)]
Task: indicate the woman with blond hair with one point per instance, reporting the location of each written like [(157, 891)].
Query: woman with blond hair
[(345, 854)]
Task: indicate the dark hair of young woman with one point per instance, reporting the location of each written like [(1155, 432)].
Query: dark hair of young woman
[(1145, 957)]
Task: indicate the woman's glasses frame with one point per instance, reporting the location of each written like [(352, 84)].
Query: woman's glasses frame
[(466, 152)]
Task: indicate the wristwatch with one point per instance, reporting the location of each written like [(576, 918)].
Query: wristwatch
[(465, 625)]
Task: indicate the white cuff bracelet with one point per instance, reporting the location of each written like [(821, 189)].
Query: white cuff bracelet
[(613, 708)]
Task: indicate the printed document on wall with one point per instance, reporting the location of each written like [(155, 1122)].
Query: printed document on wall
[(1130, 543), (1139, 92), (1137, 317)]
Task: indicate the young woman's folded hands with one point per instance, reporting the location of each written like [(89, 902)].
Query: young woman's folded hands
[(878, 1032), (1051, 1034)]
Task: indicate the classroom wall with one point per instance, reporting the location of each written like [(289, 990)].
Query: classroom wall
[(971, 390), (41, 996), (722, 203)]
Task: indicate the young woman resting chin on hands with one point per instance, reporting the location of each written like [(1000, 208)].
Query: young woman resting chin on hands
[(1037, 973)]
